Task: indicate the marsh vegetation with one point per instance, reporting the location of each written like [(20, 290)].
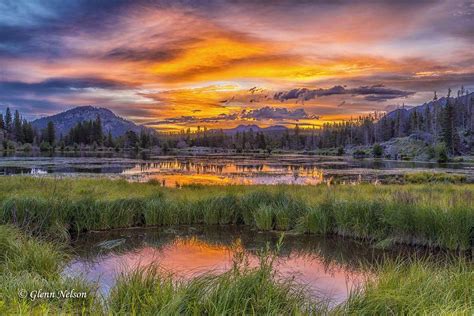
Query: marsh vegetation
[(434, 215), (40, 216), (397, 286)]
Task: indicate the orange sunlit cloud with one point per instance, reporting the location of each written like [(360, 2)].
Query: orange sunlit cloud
[(178, 65)]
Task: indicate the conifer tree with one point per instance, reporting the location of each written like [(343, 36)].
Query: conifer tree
[(8, 120), (50, 133), (17, 128)]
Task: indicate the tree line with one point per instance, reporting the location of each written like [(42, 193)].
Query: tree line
[(15, 130), (448, 121)]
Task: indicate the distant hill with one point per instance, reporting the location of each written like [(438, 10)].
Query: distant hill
[(64, 121), (255, 128), (463, 101)]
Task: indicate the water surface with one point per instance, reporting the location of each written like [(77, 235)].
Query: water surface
[(225, 169), (328, 267)]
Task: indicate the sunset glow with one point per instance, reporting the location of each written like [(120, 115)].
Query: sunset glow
[(174, 65)]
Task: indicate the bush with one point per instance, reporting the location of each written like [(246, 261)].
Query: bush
[(340, 151), (441, 152), (45, 146), (359, 153), (27, 147), (377, 151)]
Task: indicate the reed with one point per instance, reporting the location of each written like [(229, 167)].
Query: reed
[(263, 217), (240, 291), (436, 215), (416, 287), (402, 286), (32, 265)]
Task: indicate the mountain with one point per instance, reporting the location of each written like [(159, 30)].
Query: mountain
[(461, 101), (64, 121), (255, 128)]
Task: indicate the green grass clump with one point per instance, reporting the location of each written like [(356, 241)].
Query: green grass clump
[(432, 177), (33, 265), (418, 287), (318, 220), (263, 217)]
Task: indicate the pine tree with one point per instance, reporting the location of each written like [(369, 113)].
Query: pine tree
[(50, 133), (28, 132), (2, 122), (8, 120), (17, 128), (448, 130), (97, 133), (427, 119), (110, 140), (297, 136), (144, 139)]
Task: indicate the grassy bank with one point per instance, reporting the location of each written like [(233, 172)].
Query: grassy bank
[(31, 267), (401, 287), (438, 215), (416, 287)]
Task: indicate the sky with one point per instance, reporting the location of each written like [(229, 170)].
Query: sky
[(174, 65)]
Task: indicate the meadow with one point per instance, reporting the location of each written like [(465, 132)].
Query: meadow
[(38, 216), (430, 214)]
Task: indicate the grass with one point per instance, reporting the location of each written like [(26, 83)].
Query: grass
[(33, 265), (410, 286), (240, 291), (432, 177), (416, 287), (435, 215)]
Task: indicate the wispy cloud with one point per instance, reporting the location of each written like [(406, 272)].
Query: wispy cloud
[(155, 60)]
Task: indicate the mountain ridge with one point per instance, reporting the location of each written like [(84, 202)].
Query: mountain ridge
[(111, 122)]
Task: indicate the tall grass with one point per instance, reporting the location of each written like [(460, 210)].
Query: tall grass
[(405, 287), (436, 215), (32, 265), (416, 287), (240, 291)]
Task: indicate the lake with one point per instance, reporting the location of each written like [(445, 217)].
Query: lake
[(327, 267), (224, 169)]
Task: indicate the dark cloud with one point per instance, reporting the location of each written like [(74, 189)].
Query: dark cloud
[(190, 119), (37, 29), (265, 113), (30, 108), (370, 93), (155, 55), (270, 113), (57, 85)]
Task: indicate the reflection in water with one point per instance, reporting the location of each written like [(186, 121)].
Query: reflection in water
[(177, 172), (225, 170), (329, 268)]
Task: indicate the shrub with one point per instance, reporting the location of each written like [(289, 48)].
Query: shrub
[(441, 152), (377, 150)]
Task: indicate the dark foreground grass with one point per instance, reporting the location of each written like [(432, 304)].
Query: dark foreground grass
[(436, 215), (29, 267), (408, 287)]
